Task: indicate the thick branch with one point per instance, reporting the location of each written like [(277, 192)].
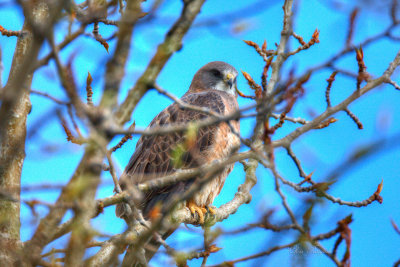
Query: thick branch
[(172, 43), (116, 66), (15, 106), (114, 245)]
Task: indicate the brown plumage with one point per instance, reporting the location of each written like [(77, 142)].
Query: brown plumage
[(213, 87)]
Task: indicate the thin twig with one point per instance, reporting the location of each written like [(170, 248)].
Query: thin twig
[(56, 100)]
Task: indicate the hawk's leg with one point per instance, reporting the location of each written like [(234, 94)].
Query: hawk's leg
[(194, 208)]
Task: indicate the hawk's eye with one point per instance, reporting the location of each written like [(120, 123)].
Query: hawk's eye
[(216, 73)]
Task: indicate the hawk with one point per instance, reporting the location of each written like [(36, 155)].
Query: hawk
[(213, 87)]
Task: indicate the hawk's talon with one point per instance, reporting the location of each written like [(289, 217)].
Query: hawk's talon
[(211, 210), (200, 210)]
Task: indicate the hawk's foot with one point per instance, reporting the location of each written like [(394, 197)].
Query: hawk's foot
[(211, 210), (194, 208)]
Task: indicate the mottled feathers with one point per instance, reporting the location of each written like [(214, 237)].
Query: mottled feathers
[(213, 87)]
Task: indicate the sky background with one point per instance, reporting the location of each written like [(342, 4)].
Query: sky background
[(51, 160)]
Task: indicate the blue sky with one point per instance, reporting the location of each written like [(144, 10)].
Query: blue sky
[(50, 159)]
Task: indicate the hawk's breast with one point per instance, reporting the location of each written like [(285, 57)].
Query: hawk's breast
[(225, 143)]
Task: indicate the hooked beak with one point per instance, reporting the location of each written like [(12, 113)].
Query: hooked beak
[(229, 79)]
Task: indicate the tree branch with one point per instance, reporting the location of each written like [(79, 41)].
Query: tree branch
[(172, 43)]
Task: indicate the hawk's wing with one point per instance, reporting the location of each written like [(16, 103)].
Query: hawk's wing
[(153, 156)]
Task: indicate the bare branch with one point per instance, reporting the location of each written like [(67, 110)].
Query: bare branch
[(354, 118), (350, 33), (56, 100), (330, 80), (9, 33), (172, 42), (395, 85), (258, 255), (89, 90)]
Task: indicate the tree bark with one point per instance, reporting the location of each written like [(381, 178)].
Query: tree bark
[(15, 107)]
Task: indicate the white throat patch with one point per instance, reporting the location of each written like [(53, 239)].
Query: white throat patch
[(221, 86)]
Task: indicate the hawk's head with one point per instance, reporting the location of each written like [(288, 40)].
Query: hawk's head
[(216, 75)]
